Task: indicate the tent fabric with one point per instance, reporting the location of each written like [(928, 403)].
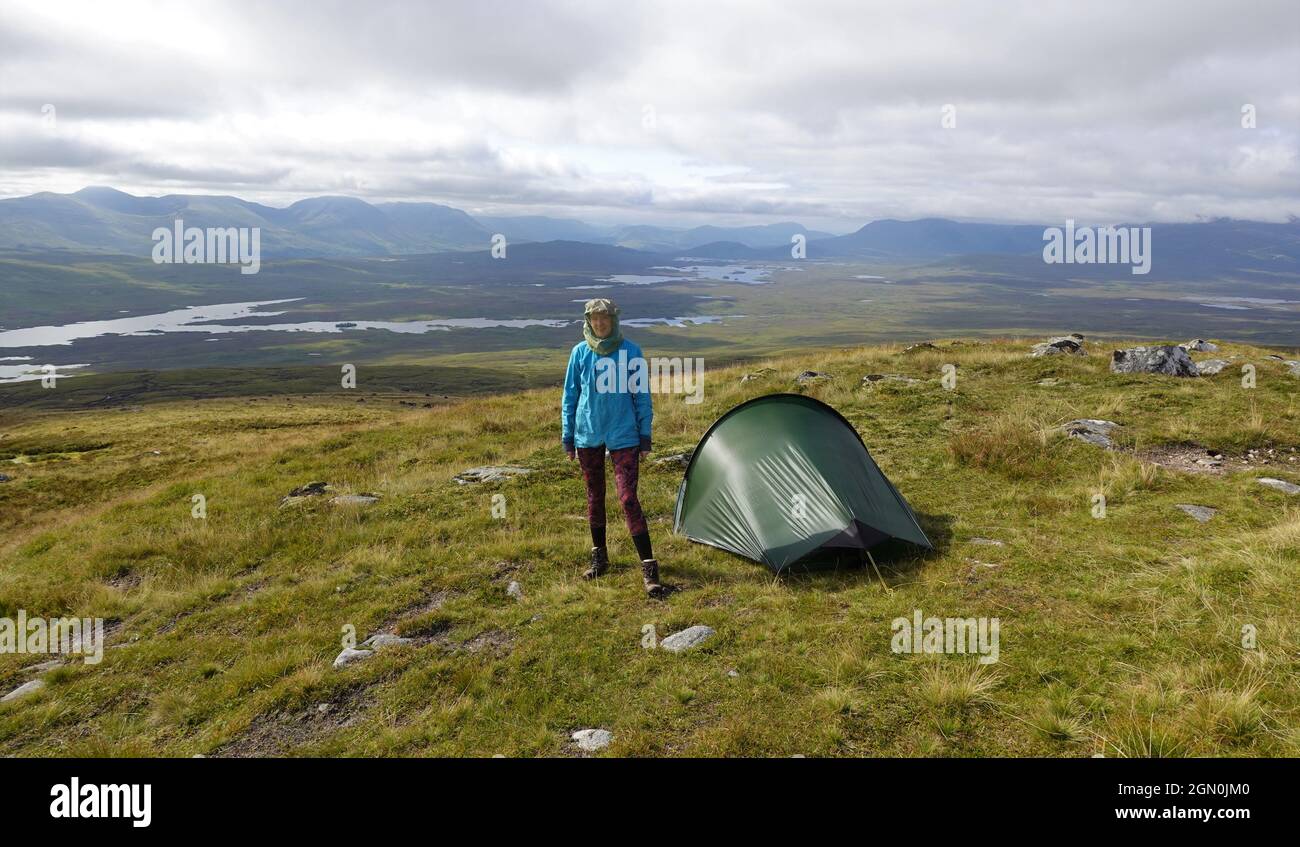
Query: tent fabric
[(783, 476)]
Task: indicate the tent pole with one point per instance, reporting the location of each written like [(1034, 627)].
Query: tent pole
[(877, 570)]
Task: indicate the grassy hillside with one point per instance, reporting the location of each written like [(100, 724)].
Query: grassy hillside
[(1120, 635)]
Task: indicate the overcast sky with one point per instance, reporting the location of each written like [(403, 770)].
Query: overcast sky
[(669, 112)]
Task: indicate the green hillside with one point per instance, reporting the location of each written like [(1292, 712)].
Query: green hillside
[(1120, 635)]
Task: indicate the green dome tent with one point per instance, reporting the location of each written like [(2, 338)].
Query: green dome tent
[(784, 476)]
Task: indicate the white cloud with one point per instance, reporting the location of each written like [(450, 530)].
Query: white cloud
[(677, 111)]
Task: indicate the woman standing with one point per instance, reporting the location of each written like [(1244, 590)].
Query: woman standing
[(605, 408)]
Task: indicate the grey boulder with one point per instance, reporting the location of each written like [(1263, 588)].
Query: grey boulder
[(1279, 484), (355, 500), (23, 690), (385, 639), (1091, 430), (873, 379), (490, 473), (808, 377), (591, 740), (1069, 345), (1201, 513), (349, 655), (687, 638), (1168, 359)]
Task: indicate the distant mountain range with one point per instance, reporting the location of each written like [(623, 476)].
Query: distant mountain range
[(105, 219), (108, 220)]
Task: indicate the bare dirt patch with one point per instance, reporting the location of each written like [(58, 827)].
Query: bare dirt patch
[(1193, 458), (279, 733)]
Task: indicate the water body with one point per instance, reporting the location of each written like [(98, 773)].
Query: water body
[(689, 320), (1252, 301), (228, 318), (745, 274), (31, 372), (748, 274)]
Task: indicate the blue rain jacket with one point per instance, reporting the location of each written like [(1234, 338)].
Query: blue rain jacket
[(612, 413)]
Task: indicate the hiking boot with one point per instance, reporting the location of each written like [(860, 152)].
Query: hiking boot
[(599, 563), (650, 576)]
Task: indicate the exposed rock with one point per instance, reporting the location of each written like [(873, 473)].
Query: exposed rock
[(348, 656), (591, 740), (490, 473), (5, 477), (676, 460), (515, 590), (992, 542), (302, 493), (687, 638), (761, 373), (44, 667), (1091, 430), (872, 379), (1049, 381), (1069, 345), (1210, 367), (385, 639), (355, 500), (1200, 345), (1293, 367), (1279, 484), (1201, 513), (808, 377), (917, 348), (1274, 357), (1166, 359), (23, 690)]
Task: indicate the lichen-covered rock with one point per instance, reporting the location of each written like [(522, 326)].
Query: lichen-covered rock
[(1200, 345), (676, 460), (592, 740), (809, 377), (23, 690), (1067, 345), (385, 639), (1091, 430), (349, 655), (1210, 367), (305, 492), (490, 474), (686, 639), (1279, 485), (1168, 359), (1201, 513), (874, 379)]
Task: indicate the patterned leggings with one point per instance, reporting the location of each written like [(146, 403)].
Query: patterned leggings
[(592, 460)]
